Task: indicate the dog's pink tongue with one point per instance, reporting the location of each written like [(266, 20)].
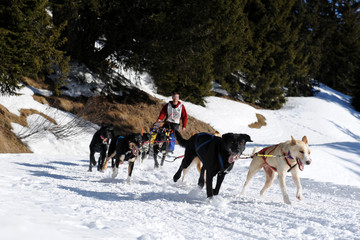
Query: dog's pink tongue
[(232, 158), (301, 166)]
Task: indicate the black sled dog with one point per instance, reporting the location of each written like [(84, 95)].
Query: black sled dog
[(100, 143), (161, 145), (217, 155), (144, 150)]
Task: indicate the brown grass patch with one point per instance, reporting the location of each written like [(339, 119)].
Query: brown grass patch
[(40, 99), (64, 103), (37, 83), (9, 143), (27, 112), (129, 113), (261, 121)]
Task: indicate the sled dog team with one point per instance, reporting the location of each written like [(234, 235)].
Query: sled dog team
[(214, 155)]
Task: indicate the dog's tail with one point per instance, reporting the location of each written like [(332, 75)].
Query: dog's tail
[(255, 150), (182, 142)]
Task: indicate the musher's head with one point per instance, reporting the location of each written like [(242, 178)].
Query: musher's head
[(175, 97)]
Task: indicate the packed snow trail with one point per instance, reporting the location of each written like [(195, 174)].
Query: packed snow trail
[(39, 189), (50, 194)]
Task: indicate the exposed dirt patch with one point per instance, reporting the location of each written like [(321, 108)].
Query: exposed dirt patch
[(261, 121), (9, 143), (129, 113), (133, 112), (27, 112)]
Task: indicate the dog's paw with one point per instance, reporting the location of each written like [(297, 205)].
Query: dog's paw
[(176, 176), (115, 172), (242, 193), (299, 196), (287, 201), (209, 199)]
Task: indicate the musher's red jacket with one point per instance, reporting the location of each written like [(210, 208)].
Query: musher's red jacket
[(163, 113)]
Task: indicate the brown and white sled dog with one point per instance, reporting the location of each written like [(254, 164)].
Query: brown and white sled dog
[(289, 156), (123, 148)]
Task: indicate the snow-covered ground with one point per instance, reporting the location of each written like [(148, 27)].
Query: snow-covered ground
[(50, 195)]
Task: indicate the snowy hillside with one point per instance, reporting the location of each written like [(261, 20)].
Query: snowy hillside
[(50, 194)]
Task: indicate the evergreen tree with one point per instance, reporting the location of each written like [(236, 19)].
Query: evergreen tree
[(319, 24), (204, 43), (28, 43), (299, 83), (275, 52), (341, 61), (340, 65), (231, 55), (348, 77), (184, 45), (84, 27)]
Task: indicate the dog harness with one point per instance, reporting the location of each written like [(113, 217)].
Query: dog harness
[(197, 148), (168, 133), (120, 137), (133, 151), (265, 156)]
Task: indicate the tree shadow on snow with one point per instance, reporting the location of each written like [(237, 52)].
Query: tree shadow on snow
[(344, 191), (64, 163), (36, 165), (106, 196), (128, 196), (111, 180), (50, 175), (346, 131), (349, 147)]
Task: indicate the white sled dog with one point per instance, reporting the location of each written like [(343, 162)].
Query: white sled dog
[(289, 156)]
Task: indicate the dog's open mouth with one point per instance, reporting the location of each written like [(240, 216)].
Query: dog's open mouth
[(233, 157), (301, 165), (135, 151)]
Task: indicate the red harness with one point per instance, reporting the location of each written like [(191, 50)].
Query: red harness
[(262, 152)]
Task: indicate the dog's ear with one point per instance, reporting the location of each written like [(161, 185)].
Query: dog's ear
[(228, 138), (248, 138), (304, 139), (132, 145), (293, 141)]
